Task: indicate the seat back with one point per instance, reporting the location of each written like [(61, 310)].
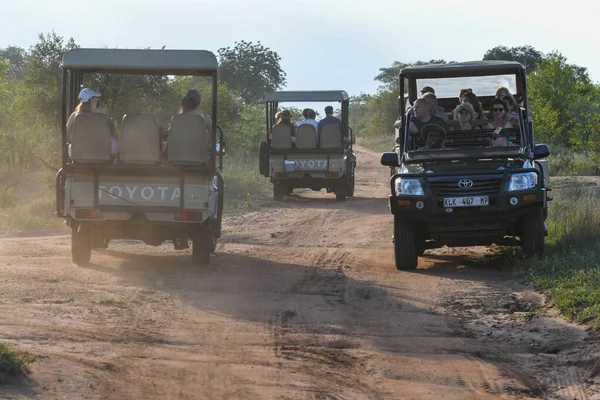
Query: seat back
[(281, 138), (140, 139), (330, 137), (188, 141), (91, 138), (306, 137)]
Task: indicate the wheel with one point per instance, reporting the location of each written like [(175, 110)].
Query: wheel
[(278, 192), (202, 243), (81, 244), (341, 189), (405, 251), (351, 187), (533, 234)]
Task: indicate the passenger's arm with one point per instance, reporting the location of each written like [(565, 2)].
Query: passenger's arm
[(70, 122)]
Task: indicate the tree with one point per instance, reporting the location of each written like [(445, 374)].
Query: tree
[(251, 69), (526, 55), (16, 57), (389, 76), (43, 75), (553, 90), (358, 111)]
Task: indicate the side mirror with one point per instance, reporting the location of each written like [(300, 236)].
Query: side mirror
[(389, 159), (540, 151)]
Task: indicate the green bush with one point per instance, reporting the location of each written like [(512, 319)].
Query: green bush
[(568, 162), (570, 274), (12, 363)]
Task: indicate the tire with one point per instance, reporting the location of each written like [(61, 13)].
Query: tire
[(340, 196), (341, 189), (533, 234), (201, 248), (278, 192), (81, 244), (351, 187), (405, 251)]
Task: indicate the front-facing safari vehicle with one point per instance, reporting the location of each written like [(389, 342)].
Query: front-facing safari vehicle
[(302, 157), (154, 190), (468, 190)]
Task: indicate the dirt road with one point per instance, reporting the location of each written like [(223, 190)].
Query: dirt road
[(302, 301)]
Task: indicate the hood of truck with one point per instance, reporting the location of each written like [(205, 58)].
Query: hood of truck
[(461, 166)]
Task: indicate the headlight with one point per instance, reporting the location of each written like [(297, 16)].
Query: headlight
[(524, 181), (409, 187)]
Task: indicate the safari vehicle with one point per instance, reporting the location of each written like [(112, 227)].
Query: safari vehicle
[(328, 162), (141, 195), (467, 192)]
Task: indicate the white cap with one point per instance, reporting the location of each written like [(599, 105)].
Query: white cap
[(86, 94)]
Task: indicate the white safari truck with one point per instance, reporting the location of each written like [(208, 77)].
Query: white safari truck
[(143, 193), (307, 158)]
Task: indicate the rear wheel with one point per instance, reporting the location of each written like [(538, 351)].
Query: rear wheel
[(533, 234), (351, 187), (278, 192), (341, 189), (81, 243), (405, 251), (202, 243)]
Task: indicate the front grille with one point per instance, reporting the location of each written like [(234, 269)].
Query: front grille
[(450, 187)]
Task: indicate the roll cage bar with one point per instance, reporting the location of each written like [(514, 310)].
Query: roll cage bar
[(273, 99), (408, 84), (78, 62)]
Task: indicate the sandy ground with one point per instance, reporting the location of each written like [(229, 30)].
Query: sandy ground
[(301, 301)]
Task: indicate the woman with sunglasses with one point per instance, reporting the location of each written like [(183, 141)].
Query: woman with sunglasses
[(500, 115)]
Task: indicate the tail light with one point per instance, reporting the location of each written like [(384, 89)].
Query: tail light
[(332, 174), (279, 175), (86, 213), (190, 216)]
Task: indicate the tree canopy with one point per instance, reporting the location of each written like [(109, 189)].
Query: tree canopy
[(526, 55), (251, 69)]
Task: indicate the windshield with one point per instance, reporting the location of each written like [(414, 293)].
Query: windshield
[(481, 85)]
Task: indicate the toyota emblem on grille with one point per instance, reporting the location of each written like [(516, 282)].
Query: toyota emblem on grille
[(465, 183)]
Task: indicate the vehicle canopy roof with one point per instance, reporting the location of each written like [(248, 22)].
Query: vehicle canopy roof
[(469, 68), (308, 95), (141, 61)]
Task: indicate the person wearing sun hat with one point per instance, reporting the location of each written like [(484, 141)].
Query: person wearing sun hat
[(88, 102)]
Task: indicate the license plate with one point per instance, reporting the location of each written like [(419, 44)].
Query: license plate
[(474, 201)]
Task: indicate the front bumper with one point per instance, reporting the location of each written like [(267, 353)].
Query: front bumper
[(469, 225)]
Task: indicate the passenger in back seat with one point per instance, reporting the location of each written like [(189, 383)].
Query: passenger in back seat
[(89, 102), (285, 118), (190, 105), (472, 99), (329, 118), (309, 118)]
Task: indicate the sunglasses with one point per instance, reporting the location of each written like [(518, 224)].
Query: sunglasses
[(497, 109), (464, 112)]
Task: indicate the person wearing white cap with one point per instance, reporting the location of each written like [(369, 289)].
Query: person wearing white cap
[(88, 102)]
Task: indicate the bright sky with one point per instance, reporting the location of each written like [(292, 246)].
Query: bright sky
[(324, 44)]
